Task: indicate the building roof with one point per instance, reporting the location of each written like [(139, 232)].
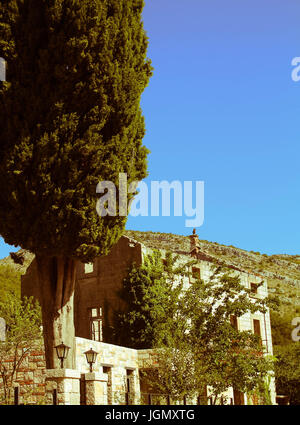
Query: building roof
[(180, 244)]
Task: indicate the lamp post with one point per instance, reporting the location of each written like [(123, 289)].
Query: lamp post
[(91, 356), (62, 352)]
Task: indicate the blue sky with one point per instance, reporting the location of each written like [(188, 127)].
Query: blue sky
[(222, 107)]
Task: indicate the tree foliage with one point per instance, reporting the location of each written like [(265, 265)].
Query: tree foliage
[(23, 332), (70, 117), (287, 371), (151, 296), (190, 326), (281, 328), (287, 352), (10, 280)]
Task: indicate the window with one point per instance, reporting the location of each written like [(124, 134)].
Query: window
[(107, 369), (196, 273), (96, 324), (234, 322), (256, 327), (129, 378), (253, 287), (88, 268)]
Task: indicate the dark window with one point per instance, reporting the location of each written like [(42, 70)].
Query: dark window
[(129, 377), (253, 287), (96, 324), (107, 369), (256, 327), (234, 322), (196, 272)]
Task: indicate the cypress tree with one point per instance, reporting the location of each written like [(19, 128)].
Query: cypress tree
[(70, 117)]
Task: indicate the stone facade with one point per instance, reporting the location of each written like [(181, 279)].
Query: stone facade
[(66, 384), (30, 378), (97, 299), (96, 286), (120, 364)]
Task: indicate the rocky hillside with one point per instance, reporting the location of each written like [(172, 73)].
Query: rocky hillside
[(281, 271), (19, 260)]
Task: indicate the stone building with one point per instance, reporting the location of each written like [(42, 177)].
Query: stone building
[(97, 298)]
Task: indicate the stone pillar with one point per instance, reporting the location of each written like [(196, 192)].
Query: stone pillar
[(66, 382), (96, 388)]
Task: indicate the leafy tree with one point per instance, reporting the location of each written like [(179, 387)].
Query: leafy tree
[(232, 358), (190, 326), (70, 118), (10, 280), (23, 331), (151, 296), (281, 328), (287, 371), (176, 373)]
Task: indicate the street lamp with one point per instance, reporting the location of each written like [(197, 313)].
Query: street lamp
[(62, 352), (91, 356)]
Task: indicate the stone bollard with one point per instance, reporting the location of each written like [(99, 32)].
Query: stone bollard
[(62, 385), (96, 388)]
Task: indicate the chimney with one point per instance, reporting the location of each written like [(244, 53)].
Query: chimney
[(194, 239)]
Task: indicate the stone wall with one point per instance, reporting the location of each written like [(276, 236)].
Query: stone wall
[(30, 377), (120, 364), (116, 363), (101, 287), (116, 367)]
